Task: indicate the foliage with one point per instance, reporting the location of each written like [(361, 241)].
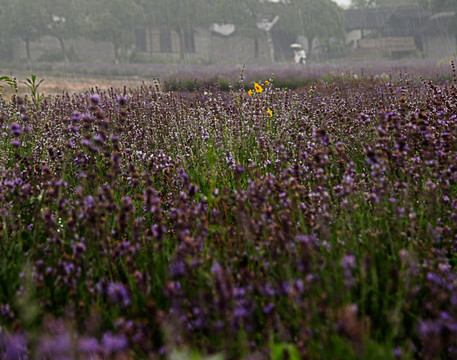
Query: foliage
[(178, 15), (244, 14), (33, 86), (113, 21), (9, 81), (23, 19), (314, 19), (65, 21), (116, 21)]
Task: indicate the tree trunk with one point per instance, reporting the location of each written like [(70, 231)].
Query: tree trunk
[(310, 46), (64, 51), (181, 44), (256, 39), (27, 49), (116, 53), (270, 46), (130, 53), (150, 40)]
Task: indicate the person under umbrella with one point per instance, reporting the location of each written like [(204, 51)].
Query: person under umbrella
[(299, 54)]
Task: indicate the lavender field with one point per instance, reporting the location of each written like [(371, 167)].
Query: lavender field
[(315, 223)]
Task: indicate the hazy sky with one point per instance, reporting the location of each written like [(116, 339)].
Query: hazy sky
[(343, 3)]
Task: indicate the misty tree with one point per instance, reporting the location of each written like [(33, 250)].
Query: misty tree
[(453, 26), (6, 43), (314, 19), (64, 20), (244, 14), (182, 16), (23, 19), (113, 21), (437, 6), (255, 8)]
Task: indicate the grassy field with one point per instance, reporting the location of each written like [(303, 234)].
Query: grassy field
[(257, 222), (79, 77)]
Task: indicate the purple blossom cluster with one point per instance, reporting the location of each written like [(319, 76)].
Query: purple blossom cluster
[(135, 222)]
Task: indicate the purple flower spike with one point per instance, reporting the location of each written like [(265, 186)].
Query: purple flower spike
[(76, 116), (122, 100), (15, 347), (397, 353), (114, 343), (348, 262), (216, 268), (98, 138), (88, 345), (268, 308), (95, 98), (16, 129), (118, 294), (178, 268)]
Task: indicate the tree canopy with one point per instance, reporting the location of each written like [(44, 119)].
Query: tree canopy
[(116, 21), (180, 15), (113, 21), (314, 19), (242, 13), (23, 19), (64, 20)]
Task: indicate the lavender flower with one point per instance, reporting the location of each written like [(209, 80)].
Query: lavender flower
[(16, 129), (14, 346), (118, 294), (114, 343)]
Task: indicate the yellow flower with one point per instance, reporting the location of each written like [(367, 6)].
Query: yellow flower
[(270, 113), (258, 88), (250, 92), (267, 82)]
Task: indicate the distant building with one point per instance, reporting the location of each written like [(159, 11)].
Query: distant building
[(365, 21), (218, 43), (395, 33)]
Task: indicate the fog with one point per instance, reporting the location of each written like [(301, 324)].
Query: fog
[(42, 33)]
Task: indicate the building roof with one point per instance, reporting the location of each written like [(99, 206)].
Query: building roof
[(415, 12), (370, 18), (440, 22), (377, 18)]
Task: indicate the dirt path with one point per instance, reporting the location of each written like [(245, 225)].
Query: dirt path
[(56, 85)]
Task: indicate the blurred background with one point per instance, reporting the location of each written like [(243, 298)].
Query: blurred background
[(224, 31), (76, 44)]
